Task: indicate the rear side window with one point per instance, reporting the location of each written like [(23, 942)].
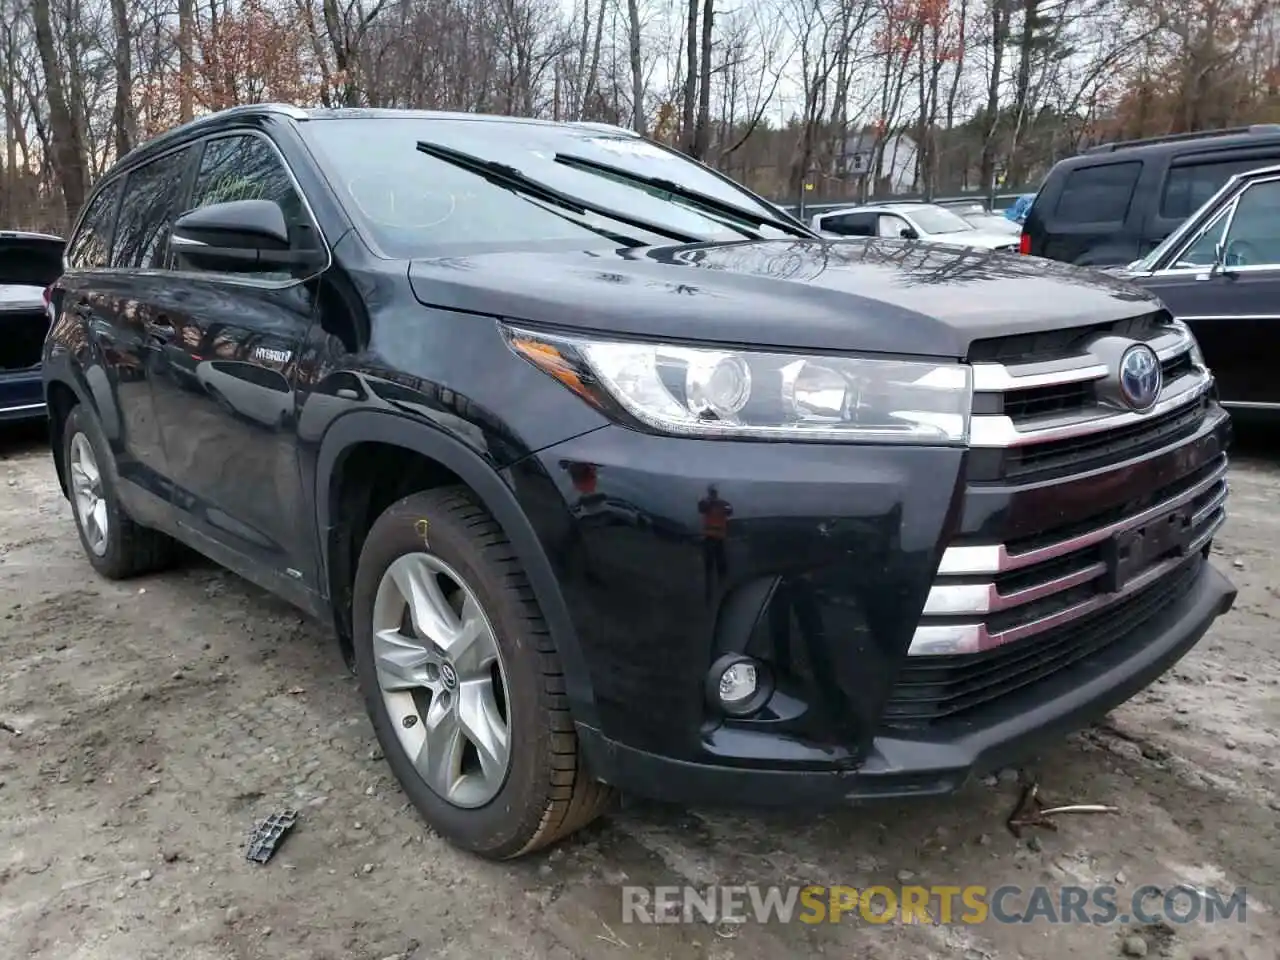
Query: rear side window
[(89, 247), (1190, 185), (151, 197), (1098, 194)]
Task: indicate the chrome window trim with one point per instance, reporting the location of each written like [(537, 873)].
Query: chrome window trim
[(1191, 224), (1226, 233), (1229, 212)]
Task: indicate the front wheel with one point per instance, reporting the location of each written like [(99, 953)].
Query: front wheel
[(462, 680)]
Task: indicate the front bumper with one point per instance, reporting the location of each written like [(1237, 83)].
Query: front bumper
[(21, 396), (908, 767), (830, 573)]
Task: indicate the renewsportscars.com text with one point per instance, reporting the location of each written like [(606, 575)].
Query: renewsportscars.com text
[(970, 904)]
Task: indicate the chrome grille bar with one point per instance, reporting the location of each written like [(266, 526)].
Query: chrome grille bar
[(980, 600), (945, 639), (987, 559), (1172, 342), (1000, 432)]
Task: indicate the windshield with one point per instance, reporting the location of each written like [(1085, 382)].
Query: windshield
[(414, 204), (931, 219)]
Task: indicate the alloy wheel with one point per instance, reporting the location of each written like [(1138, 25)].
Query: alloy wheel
[(442, 679), (87, 493)]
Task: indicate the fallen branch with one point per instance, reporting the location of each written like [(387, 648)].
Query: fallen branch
[(1031, 811)]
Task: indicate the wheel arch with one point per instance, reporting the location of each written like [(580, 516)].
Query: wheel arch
[(67, 388), (455, 460)]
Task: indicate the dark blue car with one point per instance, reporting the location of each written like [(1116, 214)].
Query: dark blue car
[(29, 262)]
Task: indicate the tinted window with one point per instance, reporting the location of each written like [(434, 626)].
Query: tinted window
[(1189, 186), (1098, 194), (89, 247), (1253, 239), (151, 195), (851, 224), (1203, 250), (247, 167), (416, 205)]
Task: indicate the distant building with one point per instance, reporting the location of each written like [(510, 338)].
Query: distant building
[(897, 165)]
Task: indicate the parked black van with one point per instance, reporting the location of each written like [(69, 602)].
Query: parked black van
[(1115, 202)]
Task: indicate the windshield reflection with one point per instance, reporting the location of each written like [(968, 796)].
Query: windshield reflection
[(412, 204)]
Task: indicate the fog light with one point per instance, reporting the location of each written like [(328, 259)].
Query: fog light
[(738, 685)]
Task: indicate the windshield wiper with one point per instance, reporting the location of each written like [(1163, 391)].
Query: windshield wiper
[(502, 175), (703, 201)]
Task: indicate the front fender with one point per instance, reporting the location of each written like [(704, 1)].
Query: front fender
[(498, 498)]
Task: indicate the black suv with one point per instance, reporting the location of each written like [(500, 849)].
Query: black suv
[(1220, 274), (1115, 202), (610, 476)]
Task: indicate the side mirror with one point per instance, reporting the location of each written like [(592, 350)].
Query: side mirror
[(239, 235), (906, 233)]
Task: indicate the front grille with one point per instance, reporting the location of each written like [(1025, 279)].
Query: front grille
[(1048, 417), (1002, 616), (1090, 451), (930, 690), (22, 339), (1022, 406), (989, 595)]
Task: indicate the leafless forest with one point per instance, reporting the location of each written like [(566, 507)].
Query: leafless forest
[(770, 91)]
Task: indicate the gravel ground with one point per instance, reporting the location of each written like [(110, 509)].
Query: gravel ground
[(148, 725)]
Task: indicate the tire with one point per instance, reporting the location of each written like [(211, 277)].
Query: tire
[(544, 793), (125, 549)]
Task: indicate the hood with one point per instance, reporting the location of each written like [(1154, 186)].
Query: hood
[(883, 296), (29, 260)]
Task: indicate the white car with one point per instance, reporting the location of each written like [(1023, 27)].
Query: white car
[(911, 221)]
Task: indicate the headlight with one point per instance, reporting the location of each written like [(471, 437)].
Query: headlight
[(706, 392)]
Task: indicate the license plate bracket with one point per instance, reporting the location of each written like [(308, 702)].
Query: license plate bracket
[(1130, 552)]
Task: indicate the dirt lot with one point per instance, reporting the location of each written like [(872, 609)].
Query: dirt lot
[(157, 720)]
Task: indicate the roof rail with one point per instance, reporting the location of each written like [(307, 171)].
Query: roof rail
[(247, 109), (244, 109), (1255, 130)]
